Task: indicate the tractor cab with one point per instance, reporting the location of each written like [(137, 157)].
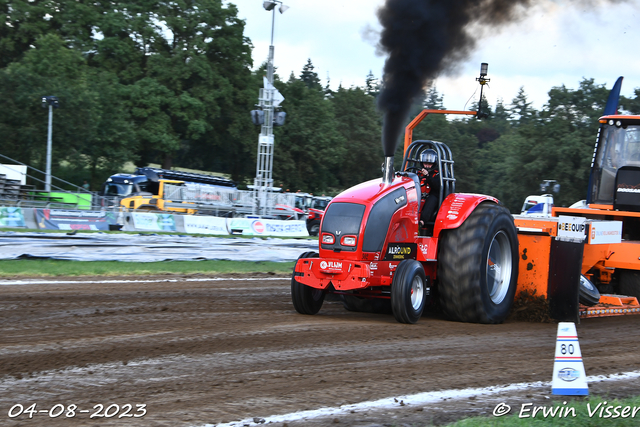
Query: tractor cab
[(615, 172), (411, 165)]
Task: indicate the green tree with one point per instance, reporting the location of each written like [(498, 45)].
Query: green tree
[(310, 77), (198, 77), (632, 104), (358, 122), (308, 149), (372, 85), (90, 129), (433, 99), (22, 22), (521, 109)]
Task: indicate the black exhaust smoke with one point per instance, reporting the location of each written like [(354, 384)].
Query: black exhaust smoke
[(423, 38)]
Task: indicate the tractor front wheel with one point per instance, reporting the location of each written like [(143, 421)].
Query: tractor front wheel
[(306, 300), (478, 266), (408, 293)]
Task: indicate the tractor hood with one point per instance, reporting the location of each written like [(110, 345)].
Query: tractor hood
[(359, 218)]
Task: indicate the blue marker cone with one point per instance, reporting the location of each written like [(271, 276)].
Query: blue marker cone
[(569, 378)]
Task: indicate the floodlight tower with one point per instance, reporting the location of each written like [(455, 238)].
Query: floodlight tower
[(51, 102), (269, 99)]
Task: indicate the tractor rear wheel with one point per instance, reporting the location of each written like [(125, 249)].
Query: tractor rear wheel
[(630, 283), (306, 300), (478, 266), (408, 293)]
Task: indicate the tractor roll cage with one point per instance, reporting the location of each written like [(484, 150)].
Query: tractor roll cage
[(444, 166), (445, 159)]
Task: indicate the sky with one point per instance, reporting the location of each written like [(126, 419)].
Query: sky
[(556, 42)]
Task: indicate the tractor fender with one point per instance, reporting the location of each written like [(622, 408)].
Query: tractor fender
[(456, 208)]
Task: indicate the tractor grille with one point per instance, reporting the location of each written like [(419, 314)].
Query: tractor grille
[(342, 219)]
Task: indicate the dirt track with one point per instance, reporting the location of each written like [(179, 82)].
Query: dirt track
[(214, 351)]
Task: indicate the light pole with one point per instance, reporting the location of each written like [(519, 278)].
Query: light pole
[(268, 101), (52, 102)]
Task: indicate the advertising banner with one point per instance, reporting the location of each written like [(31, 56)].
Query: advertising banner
[(571, 228), (603, 232), (205, 225), (11, 216), (153, 222), (267, 227), (285, 228), (60, 219)]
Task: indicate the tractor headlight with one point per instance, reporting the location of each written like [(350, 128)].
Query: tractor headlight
[(328, 239), (348, 241)]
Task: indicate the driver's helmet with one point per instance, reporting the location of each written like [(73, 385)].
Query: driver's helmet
[(429, 156)]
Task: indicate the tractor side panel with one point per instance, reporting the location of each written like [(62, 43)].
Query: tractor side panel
[(379, 219), (533, 272)]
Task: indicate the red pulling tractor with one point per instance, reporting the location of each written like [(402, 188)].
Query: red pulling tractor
[(373, 252)]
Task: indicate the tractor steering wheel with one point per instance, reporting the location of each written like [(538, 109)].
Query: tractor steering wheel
[(413, 169)]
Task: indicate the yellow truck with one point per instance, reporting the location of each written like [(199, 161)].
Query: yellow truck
[(154, 189), (161, 201)]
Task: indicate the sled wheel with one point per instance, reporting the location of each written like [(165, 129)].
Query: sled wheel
[(588, 293), (408, 291), (314, 227), (306, 300), (478, 266), (630, 283)]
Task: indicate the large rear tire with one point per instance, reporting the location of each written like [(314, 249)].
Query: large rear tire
[(478, 266), (306, 300), (630, 283), (408, 291)]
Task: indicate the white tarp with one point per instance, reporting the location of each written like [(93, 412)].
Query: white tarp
[(149, 248)]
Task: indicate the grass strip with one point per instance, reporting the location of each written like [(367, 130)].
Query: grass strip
[(587, 412), (51, 267)]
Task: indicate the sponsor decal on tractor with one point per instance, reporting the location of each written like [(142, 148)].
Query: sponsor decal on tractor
[(331, 265), (399, 251)]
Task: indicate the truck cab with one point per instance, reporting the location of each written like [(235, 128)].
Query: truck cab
[(538, 206), (126, 185), (615, 170)]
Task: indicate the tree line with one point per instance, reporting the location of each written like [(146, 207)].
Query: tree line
[(147, 81)]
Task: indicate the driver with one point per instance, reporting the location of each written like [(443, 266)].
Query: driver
[(430, 185)]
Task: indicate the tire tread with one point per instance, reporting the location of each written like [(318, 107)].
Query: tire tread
[(460, 264)]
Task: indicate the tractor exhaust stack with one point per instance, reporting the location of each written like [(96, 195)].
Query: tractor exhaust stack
[(387, 170)]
